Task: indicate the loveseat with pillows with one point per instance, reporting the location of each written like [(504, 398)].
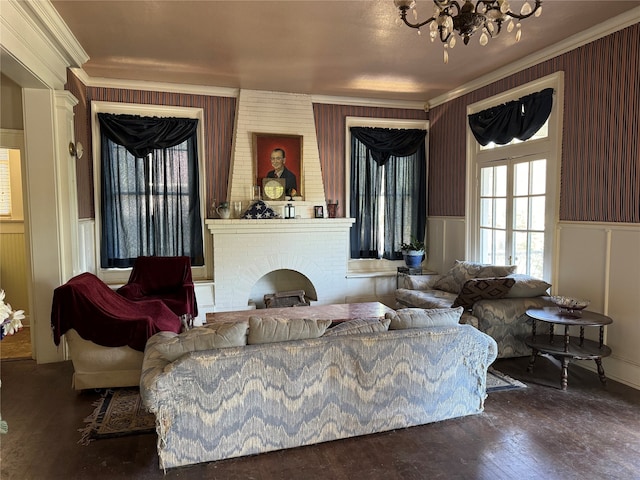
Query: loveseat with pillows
[(232, 389), (494, 297)]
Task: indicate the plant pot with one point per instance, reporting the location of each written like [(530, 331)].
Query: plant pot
[(413, 258)]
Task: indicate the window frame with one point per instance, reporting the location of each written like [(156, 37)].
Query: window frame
[(374, 264), (549, 148), (121, 275)]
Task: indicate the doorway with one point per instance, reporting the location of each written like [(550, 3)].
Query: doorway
[(13, 244)]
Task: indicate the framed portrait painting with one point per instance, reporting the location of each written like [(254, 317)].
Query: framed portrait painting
[(279, 156)]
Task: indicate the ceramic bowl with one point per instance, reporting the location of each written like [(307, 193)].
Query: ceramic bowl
[(569, 304)]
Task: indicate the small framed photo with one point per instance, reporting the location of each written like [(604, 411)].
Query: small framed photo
[(319, 209), (279, 156)]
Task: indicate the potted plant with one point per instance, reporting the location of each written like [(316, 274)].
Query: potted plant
[(413, 252)]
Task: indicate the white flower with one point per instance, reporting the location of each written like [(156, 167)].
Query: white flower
[(10, 321)]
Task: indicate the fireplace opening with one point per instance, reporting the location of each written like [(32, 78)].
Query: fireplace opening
[(279, 281)]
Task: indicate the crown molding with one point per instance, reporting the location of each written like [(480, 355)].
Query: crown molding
[(57, 32), (369, 102), (603, 29), (103, 82)]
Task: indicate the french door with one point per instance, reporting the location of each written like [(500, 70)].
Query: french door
[(512, 213)]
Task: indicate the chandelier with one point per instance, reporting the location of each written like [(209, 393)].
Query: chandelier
[(486, 16)]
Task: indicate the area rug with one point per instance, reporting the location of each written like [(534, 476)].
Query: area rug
[(498, 381), (118, 413)]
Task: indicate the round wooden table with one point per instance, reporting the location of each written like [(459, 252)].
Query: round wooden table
[(565, 346)]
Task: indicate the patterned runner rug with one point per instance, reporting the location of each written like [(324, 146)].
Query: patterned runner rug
[(119, 412), (498, 381)]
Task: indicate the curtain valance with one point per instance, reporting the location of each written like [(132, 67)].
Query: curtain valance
[(519, 119), (141, 135), (384, 142)]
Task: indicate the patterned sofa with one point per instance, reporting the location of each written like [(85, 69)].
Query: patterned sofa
[(354, 379), (494, 297)]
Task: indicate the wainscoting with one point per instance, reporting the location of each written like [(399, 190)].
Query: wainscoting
[(597, 261)]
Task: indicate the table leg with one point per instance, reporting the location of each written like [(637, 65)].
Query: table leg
[(532, 360), (565, 372), (603, 379)]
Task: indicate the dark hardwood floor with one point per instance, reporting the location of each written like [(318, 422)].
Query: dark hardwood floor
[(588, 432)]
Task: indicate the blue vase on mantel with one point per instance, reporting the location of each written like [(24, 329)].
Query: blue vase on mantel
[(413, 258)]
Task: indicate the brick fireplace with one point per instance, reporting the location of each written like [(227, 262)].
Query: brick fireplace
[(247, 250), (315, 250)]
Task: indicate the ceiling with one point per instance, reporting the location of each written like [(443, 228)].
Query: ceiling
[(323, 47)]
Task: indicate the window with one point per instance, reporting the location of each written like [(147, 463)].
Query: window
[(512, 205), (5, 184), (387, 191), (148, 198)]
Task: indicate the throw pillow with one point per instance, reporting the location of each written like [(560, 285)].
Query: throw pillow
[(527, 286), (273, 329), (487, 271), (215, 335), (359, 325), (482, 288), (260, 210), (421, 318), (453, 280)]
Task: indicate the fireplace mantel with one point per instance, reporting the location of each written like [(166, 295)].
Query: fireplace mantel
[(279, 225), (245, 250)]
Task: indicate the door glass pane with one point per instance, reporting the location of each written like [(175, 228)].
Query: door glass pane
[(501, 213), (521, 179), (538, 177), (486, 245), (520, 248), (501, 181), (536, 255), (486, 182), (537, 213), (521, 213), (486, 212), (500, 254)]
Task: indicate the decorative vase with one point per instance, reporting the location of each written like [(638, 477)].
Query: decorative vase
[(223, 211), (413, 258)]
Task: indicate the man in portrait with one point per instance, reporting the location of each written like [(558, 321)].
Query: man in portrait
[(278, 159)]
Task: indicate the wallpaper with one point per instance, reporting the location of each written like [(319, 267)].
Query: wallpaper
[(600, 147)]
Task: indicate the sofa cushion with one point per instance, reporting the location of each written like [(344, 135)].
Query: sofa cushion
[(275, 329), (424, 299), (482, 289), (526, 286), (487, 271), (453, 280), (421, 318), (215, 335), (359, 325)]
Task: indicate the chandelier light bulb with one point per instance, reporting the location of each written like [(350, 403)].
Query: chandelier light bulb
[(446, 56), (538, 11), (510, 26), (484, 39), (526, 9), (452, 41)]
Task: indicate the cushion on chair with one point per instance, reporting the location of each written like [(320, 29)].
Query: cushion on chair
[(100, 315), (163, 278), (482, 288)]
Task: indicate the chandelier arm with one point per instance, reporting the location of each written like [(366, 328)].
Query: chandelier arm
[(403, 17)]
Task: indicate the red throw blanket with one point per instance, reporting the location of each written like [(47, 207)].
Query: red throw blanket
[(86, 304)]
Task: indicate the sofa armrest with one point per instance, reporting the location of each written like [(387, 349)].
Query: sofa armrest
[(420, 282)]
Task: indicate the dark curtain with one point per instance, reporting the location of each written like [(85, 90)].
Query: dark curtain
[(390, 162), (150, 204), (519, 119)]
